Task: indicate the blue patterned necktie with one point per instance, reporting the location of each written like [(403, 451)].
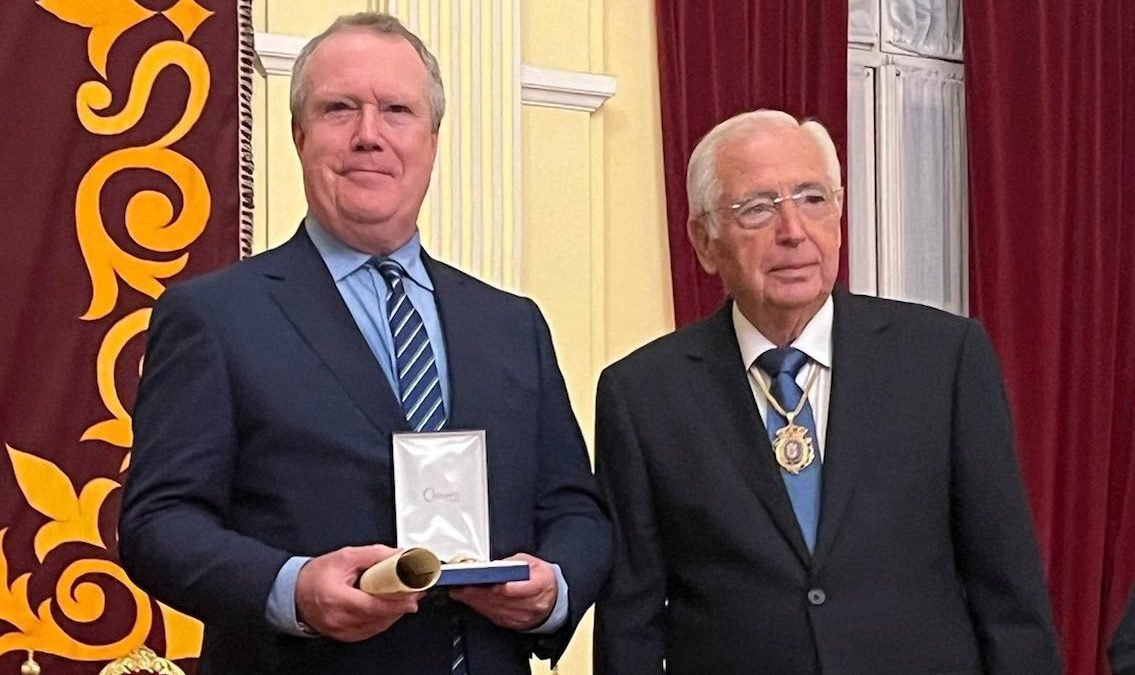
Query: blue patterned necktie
[(782, 365), (419, 388), (418, 384)]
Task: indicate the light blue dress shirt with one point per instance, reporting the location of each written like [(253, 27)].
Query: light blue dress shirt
[(364, 291)]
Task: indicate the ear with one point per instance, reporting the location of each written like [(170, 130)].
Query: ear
[(697, 229), (839, 218), (298, 135)]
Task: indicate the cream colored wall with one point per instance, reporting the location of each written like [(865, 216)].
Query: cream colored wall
[(594, 212), (639, 305), (593, 239), (595, 249)]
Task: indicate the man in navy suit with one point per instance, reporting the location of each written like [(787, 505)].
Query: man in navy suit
[(261, 483), (810, 482)]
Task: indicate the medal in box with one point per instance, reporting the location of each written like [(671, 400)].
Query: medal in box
[(441, 503)]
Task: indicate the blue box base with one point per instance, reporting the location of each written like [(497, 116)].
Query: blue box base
[(480, 574)]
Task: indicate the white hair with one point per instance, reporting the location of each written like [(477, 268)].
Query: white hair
[(703, 187)]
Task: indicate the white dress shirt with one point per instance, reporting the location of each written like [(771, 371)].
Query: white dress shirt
[(815, 341)]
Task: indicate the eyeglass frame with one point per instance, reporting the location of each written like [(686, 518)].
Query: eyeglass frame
[(777, 200)]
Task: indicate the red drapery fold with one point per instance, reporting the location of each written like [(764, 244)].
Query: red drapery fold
[(717, 59), (1051, 117)]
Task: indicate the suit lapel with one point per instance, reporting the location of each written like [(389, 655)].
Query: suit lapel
[(859, 382), (474, 389), (305, 291), (727, 402)]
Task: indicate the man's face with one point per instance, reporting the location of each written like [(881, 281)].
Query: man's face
[(365, 140), (790, 264)]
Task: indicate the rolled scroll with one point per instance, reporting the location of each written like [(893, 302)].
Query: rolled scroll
[(412, 570)]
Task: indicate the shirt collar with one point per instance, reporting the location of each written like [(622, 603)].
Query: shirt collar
[(815, 340), (342, 260)]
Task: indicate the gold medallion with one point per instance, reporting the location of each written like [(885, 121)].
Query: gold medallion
[(793, 448)]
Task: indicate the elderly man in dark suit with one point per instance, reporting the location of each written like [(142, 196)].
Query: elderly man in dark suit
[(261, 483), (810, 481)]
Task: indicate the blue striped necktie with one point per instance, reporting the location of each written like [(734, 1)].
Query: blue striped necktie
[(782, 365), (419, 388)]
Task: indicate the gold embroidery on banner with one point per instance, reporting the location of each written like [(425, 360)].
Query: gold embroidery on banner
[(188, 16), (93, 95), (149, 214), (80, 601), (116, 430), (151, 222), (183, 634), (107, 19), (74, 516)]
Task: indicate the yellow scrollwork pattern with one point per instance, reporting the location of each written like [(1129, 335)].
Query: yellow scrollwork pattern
[(80, 601), (116, 430), (107, 19), (188, 16), (149, 220), (74, 516), (72, 511), (149, 214), (94, 96), (183, 633)]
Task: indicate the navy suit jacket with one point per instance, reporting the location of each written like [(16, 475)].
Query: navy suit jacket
[(925, 559), (263, 430)]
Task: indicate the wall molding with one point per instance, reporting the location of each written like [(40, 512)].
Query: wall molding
[(542, 87), (567, 89), (275, 53)]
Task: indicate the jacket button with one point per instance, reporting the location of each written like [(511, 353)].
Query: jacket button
[(817, 597)]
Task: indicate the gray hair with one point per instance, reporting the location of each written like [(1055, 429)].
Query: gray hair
[(379, 24), (703, 187)]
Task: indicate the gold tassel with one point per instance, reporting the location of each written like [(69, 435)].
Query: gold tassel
[(30, 667)]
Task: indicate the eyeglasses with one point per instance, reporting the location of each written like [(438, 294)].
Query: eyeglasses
[(814, 202)]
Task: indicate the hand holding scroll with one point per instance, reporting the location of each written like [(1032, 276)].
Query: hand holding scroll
[(328, 601)]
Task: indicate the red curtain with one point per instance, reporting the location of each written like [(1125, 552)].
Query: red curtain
[(717, 59), (1051, 116)]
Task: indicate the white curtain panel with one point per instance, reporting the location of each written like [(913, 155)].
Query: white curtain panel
[(863, 22), (924, 188), (860, 197), (924, 27)]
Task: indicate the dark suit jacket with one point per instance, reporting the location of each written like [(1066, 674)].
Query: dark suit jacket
[(263, 430), (925, 559), (1122, 651)]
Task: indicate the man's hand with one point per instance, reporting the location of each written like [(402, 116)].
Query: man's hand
[(517, 605), (327, 600)]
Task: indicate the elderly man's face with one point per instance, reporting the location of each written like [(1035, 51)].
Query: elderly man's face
[(365, 139), (790, 264)]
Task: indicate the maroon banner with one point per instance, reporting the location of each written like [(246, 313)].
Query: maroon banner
[(122, 132)]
